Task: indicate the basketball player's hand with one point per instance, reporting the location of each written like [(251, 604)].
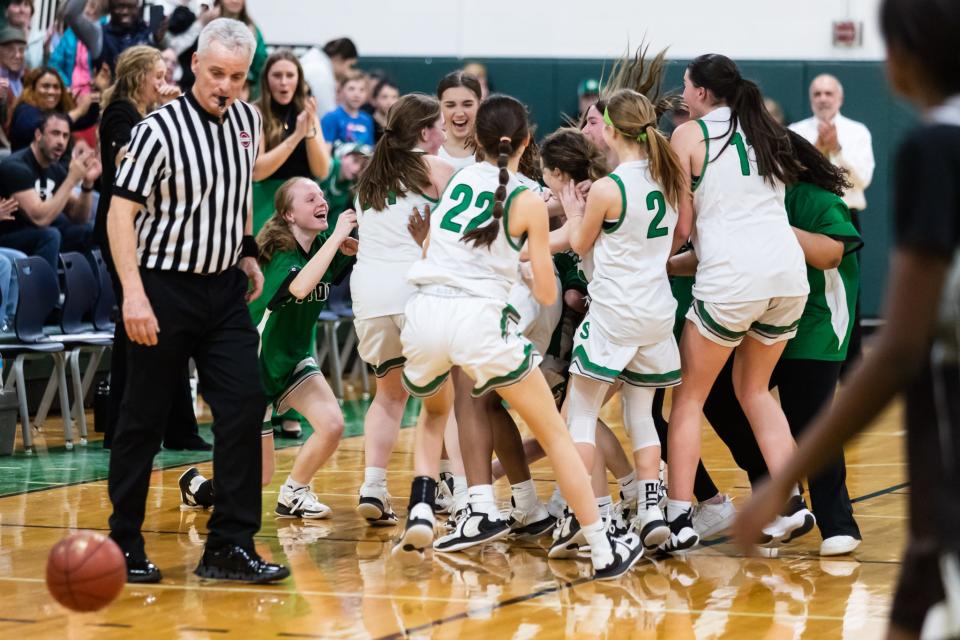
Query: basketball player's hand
[(346, 223), (139, 320), (573, 201), (349, 246), (583, 188), (762, 508), (8, 207), (251, 267), (419, 226)]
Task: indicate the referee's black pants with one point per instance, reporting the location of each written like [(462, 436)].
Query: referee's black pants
[(204, 317), (805, 386), (182, 422)]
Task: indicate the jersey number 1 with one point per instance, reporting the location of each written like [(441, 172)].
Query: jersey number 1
[(463, 195), (737, 140)]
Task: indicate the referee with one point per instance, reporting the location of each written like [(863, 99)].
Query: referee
[(179, 228)]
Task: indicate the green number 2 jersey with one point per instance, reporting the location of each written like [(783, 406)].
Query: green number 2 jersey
[(288, 330)]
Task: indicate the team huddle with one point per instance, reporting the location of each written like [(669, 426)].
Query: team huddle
[(549, 275)]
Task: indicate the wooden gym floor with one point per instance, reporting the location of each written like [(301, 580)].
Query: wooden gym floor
[(343, 585)]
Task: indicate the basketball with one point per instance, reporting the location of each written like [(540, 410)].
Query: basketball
[(86, 571)]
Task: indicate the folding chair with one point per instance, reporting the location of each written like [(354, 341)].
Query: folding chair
[(39, 296)]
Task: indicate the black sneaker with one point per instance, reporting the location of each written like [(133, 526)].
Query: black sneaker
[(189, 482), (140, 570), (627, 551), (682, 535), (568, 537), (375, 507), (417, 537), (533, 523), (473, 528), (233, 562), (796, 519)]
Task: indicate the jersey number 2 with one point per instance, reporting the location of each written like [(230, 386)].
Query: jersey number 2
[(656, 202), (463, 195)]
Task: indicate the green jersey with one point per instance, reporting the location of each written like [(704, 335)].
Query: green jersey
[(827, 319), (568, 268), (288, 328)]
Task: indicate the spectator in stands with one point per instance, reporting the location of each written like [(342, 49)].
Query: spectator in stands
[(20, 15), (848, 144), (9, 289), (44, 93), (385, 93), (71, 57), (13, 44), (292, 142), (185, 28), (124, 29), (49, 216), (173, 71), (588, 92), (322, 69), (479, 71), (347, 123)]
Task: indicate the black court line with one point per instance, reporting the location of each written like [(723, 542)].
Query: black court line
[(536, 594), (19, 620), (204, 629), (112, 625)]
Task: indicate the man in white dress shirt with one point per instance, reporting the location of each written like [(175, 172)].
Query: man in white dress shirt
[(848, 144)]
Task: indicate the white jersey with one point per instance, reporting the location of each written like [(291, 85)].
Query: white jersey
[(387, 250), (630, 298), (742, 237), (467, 203), (458, 163)]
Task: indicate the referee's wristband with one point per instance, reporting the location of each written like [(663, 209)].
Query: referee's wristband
[(249, 248)]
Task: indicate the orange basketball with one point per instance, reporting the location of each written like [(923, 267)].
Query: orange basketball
[(86, 571)]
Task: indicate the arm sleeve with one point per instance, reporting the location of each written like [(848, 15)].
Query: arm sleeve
[(834, 222), (143, 165), (927, 195), (14, 178), (88, 31)]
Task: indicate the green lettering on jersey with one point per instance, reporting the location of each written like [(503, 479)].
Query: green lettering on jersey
[(462, 194), (656, 201), (585, 330), (737, 140)]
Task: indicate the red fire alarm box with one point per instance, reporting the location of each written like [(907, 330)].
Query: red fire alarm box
[(847, 33)]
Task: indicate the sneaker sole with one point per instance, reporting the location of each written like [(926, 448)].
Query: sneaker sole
[(411, 549), (284, 513), (375, 516), (686, 546), (621, 569), (473, 542), (654, 534), (802, 529), (569, 549), (535, 529)]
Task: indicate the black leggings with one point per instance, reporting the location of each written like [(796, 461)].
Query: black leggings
[(805, 387)]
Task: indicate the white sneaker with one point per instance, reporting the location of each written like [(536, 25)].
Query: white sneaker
[(473, 528), (411, 549), (712, 519), (533, 523), (652, 527), (557, 504), (444, 498), (838, 545), (375, 507), (301, 503), (621, 516)]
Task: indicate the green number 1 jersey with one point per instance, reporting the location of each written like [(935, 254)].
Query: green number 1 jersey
[(288, 330)]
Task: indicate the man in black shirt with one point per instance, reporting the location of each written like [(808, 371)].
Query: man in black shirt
[(50, 217)]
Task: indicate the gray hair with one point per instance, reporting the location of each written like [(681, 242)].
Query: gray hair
[(232, 34)]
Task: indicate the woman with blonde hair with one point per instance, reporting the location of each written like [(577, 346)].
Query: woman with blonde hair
[(138, 89)]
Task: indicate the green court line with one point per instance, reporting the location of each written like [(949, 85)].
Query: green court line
[(59, 467)]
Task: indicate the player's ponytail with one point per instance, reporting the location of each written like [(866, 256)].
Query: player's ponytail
[(634, 117), (502, 128), (771, 144)]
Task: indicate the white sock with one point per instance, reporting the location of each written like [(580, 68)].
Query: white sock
[(480, 498), (650, 493), (600, 550), (676, 508), (628, 487), (294, 485), (375, 477), (795, 491), (604, 505), (459, 492), (445, 466), (524, 495)]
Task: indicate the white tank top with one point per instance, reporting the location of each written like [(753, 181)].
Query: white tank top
[(379, 282), (630, 297), (458, 163), (467, 203), (743, 240)]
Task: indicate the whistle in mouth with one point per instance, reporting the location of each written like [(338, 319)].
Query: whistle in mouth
[(222, 100)]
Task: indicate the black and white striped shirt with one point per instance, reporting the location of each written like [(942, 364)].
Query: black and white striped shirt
[(192, 172)]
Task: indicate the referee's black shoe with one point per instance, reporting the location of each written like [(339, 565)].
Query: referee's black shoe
[(233, 562), (140, 570)]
